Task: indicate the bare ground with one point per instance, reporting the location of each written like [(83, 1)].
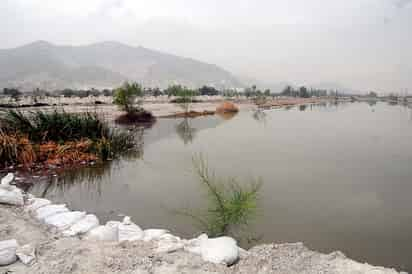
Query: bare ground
[(73, 255)]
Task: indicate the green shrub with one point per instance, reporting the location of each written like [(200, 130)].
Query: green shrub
[(230, 204), (125, 96), (55, 126)]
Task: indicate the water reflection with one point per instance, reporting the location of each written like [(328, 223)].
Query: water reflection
[(260, 116), (227, 115), (185, 131), (89, 177)]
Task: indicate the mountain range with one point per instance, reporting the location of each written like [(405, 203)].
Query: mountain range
[(103, 65)]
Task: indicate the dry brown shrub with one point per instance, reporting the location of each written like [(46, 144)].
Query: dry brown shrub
[(16, 149)]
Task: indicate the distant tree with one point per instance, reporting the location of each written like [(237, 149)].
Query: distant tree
[(252, 92), (157, 92), (107, 92), (287, 91), (174, 90), (93, 92), (372, 94), (230, 93), (14, 93), (303, 92), (38, 94), (248, 92), (210, 91), (393, 97), (267, 93), (125, 96), (184, 94)]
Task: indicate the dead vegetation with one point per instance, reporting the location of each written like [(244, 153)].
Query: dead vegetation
[(58, 139)]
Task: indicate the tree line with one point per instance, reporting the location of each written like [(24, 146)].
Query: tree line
[(177, 90)]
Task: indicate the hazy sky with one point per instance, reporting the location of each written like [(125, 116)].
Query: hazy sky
[(362, 44)]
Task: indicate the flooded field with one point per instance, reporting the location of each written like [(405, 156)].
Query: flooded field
[(336, 177)]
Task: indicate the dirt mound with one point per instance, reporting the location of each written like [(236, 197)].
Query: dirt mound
[(140, 117)]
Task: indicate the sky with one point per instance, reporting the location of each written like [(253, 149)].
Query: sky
[(359, 44)]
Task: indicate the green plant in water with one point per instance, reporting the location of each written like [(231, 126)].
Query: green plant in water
[(125, 96), (184, 96), (231, 206)]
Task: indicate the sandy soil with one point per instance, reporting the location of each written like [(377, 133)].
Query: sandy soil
[(160, 107), (73, 255)]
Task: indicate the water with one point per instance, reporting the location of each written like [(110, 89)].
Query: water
[(336, 177)]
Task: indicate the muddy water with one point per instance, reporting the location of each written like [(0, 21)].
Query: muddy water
[(336, 177)]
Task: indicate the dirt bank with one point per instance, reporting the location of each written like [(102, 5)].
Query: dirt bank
[(161, 108), (72, 255)]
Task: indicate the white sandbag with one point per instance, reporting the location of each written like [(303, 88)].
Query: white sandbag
[(168, 243), (6, 180), (49, 210), (103, 233), (128, 231), (169, 237), (193, 245), (26, 254), (64, 220), (8, 252), (85, 224), (222, 250), (113, 223), (11, 195), (36, 203), (153, 234)]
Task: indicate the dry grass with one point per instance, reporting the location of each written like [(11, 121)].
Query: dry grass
[(16, 149)]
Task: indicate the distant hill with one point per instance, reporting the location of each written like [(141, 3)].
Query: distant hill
[(107, 64)]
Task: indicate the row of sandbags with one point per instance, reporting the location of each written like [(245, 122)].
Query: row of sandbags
[(222, 250), (10, 250)]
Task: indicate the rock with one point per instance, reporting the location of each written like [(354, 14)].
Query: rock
[(8, 252), (6, 180), (153, 234), (227, 107), (26, 254), (64, 220), (193, 246), (128, 231), (36, 203), (222, 250), (85, 224), (104, 233), (49, 210), (11, 195)]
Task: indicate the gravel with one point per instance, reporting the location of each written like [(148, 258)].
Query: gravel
[(56, 254)]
